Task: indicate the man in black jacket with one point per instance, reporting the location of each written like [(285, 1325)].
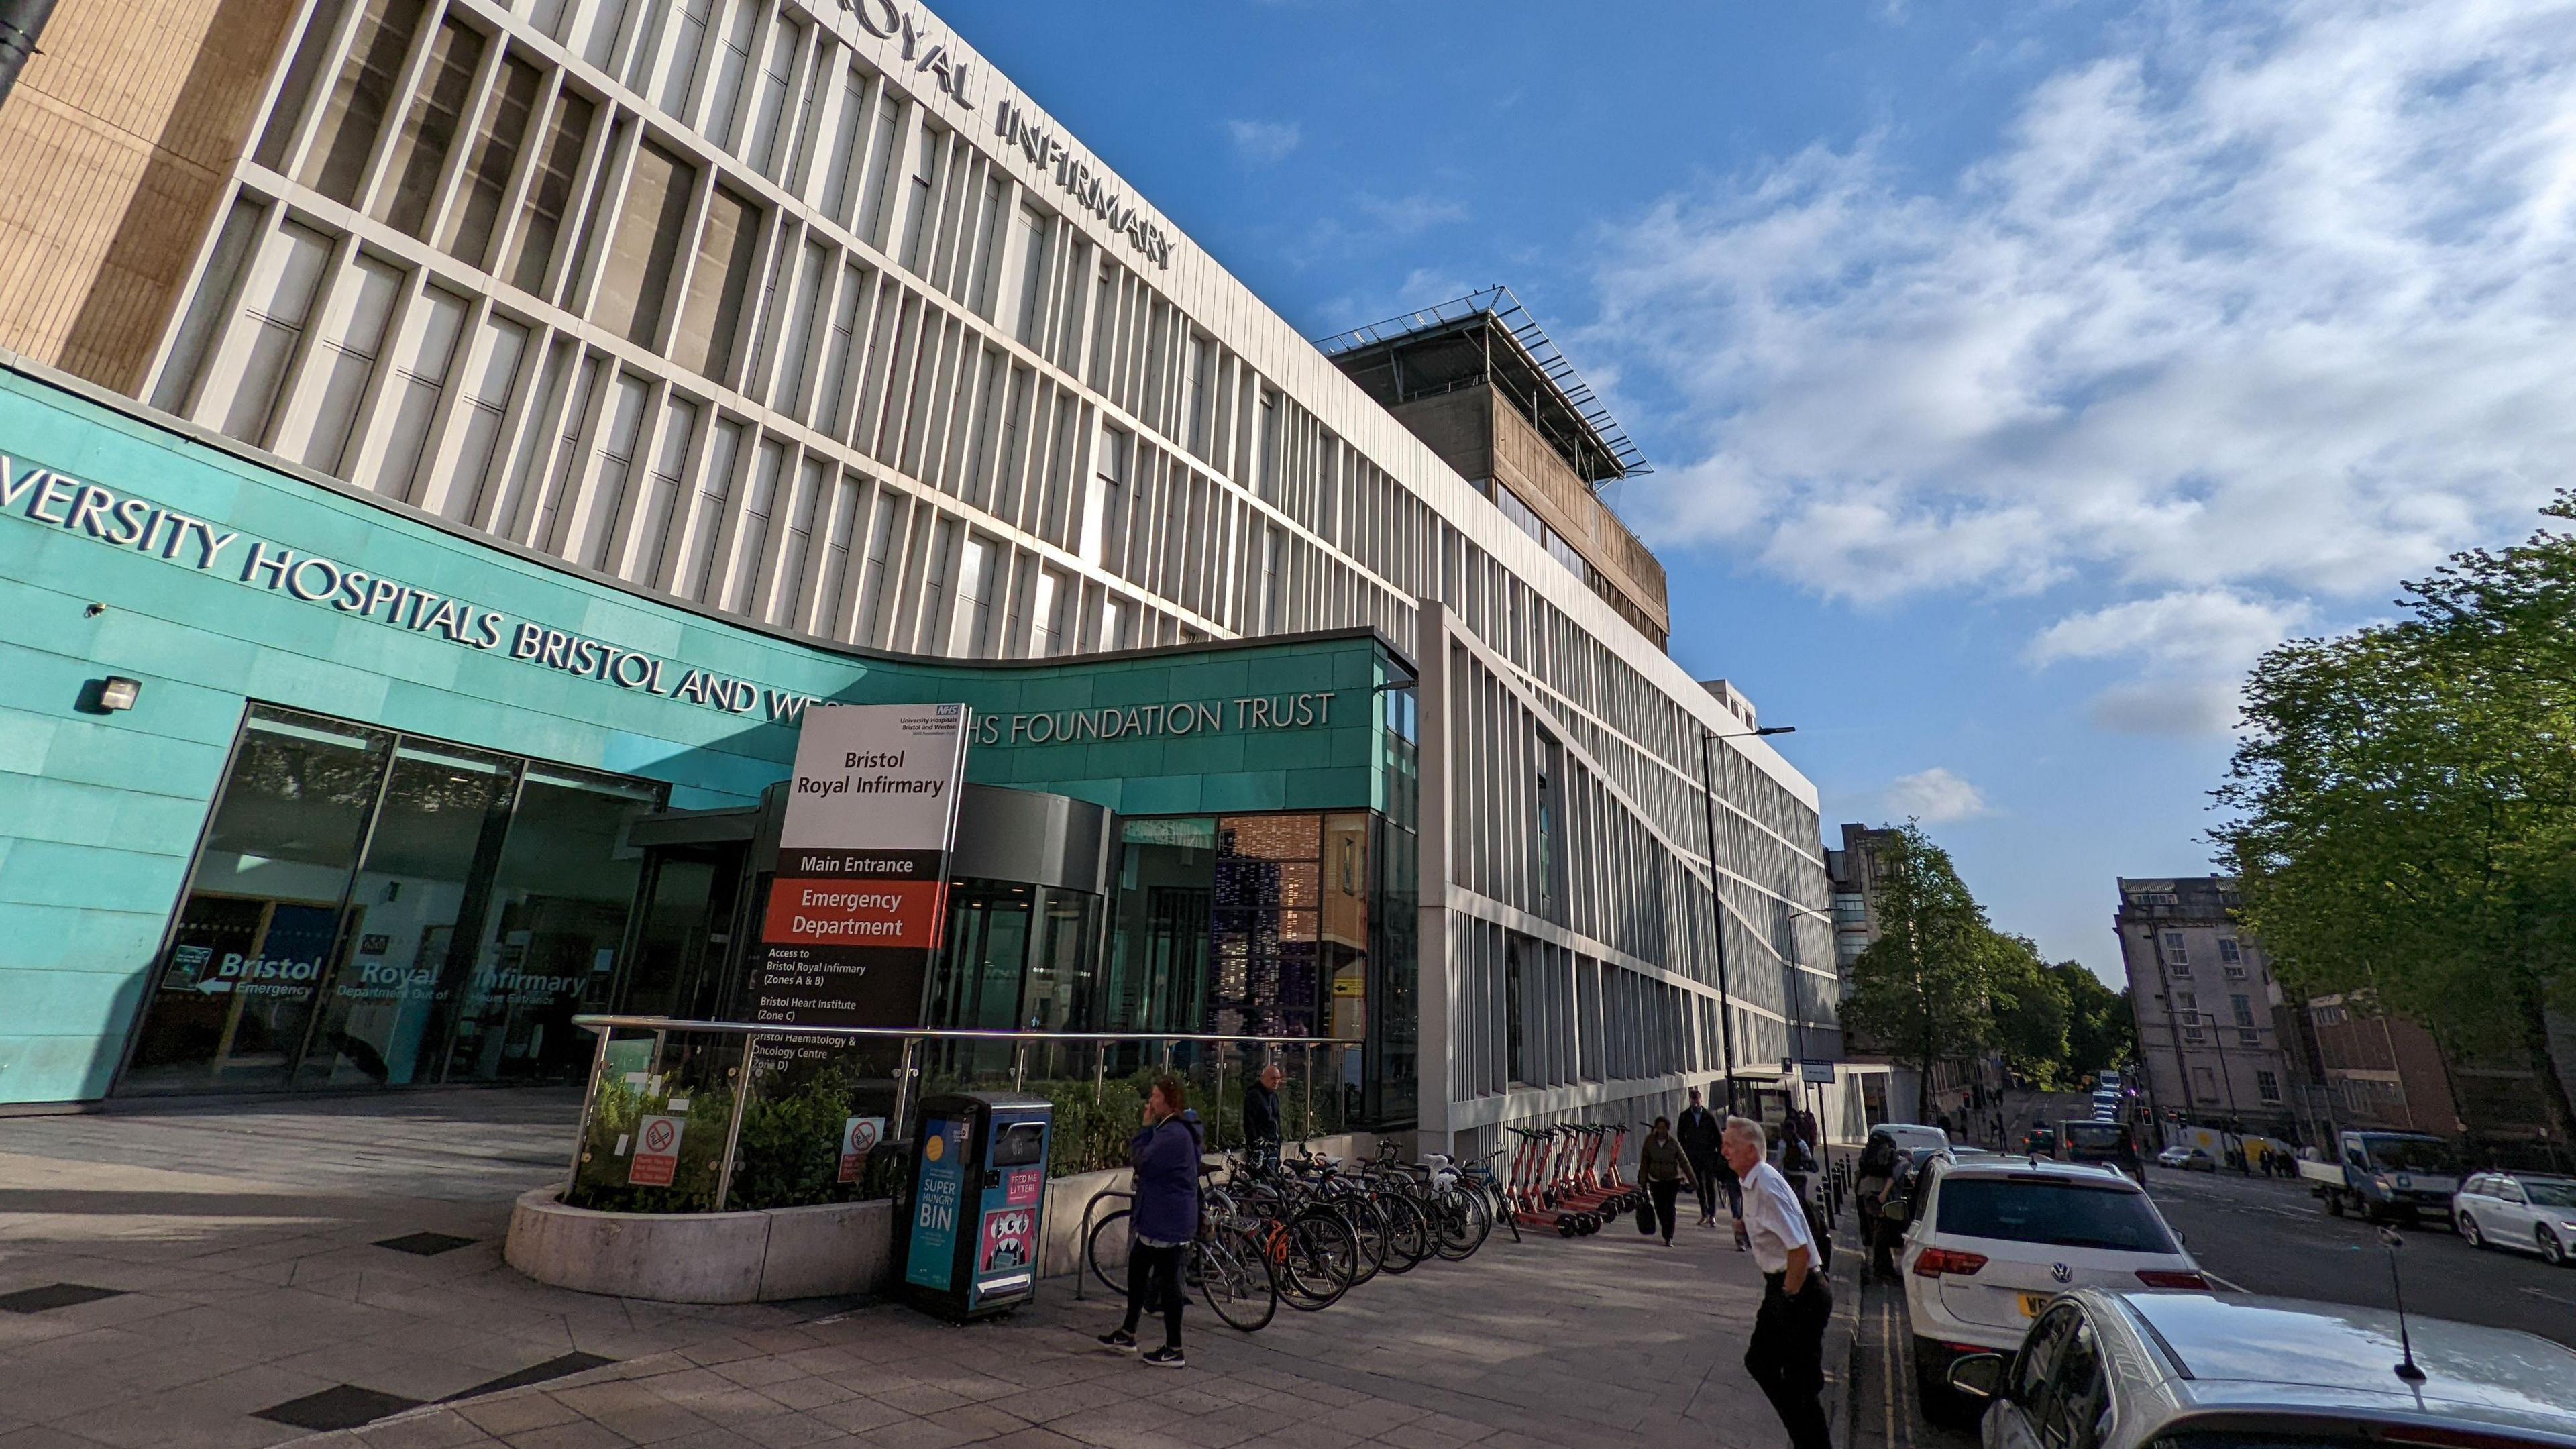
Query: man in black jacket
[(1261, 1116), (1699, 1132)]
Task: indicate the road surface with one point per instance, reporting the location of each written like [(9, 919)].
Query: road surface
[(2256, 1235)]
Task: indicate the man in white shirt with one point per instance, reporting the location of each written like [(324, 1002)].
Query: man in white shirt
[(1786, 1354)]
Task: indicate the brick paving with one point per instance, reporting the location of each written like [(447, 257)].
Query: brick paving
[(243, 1293)]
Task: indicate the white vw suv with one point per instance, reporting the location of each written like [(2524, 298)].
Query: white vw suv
[(1993, 1240)]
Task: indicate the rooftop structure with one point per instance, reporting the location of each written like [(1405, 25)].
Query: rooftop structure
[(1480, 382)]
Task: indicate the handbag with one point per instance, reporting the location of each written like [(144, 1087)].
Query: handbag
[(1646, 1215)]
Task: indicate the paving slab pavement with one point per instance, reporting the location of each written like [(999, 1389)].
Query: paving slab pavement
[(243, 1245), (1602, 1343), (240, 1246)]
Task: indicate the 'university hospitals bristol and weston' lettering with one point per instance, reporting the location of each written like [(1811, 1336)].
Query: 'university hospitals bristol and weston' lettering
[(118, 520)]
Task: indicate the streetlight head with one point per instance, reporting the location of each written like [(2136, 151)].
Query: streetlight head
[(1775, 730)]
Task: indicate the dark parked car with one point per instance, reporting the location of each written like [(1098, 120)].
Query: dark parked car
[(2112, 1143)]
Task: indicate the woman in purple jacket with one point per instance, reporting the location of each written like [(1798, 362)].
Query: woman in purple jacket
[(1166, 1218)]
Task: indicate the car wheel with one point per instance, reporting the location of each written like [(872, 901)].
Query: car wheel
[(2469, 1233), (2334, 1204), (2552, 1251)]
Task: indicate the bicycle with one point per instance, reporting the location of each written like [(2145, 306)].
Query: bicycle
[(1226, 1262)]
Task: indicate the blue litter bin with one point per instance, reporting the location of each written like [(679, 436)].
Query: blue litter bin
[(978, 1203)]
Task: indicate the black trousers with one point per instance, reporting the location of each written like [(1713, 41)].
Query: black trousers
[(1665, 1194), (1786, 1356), (1704, 1174), (1154, 1282)]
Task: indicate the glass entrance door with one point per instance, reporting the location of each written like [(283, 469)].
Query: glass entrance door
[(376, 909)]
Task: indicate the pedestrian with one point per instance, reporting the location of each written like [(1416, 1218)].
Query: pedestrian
[(1875, 1176), (1261, 1117), (1165, 1156), (1786, 1354), (1662, 1167), (1943, 1122), (1698, 1133)]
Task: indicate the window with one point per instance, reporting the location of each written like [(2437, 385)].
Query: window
[(208, 308), (925, 183), (335, 382), (490, 375), (2174, 952), (369, 908), (1100, 507), (712, 314), (733, 63), (2186, 1000), (250, 376), (420, 380), (690, 22), (797, 546), (2054, 1214), (1512, 1023), (420, 149), (653, 563), (769, 109), (2243, 1007), (506, 123), (638, 272), (2267, 1085), (743, 578), (1043, 622), (336, 162), (1033, 232), (541, 217), (974, 613), (2228, 951), (706, 521)]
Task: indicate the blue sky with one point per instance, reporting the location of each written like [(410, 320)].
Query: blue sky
[(2013, 375)]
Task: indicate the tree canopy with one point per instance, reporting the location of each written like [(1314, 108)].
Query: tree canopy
[(2404, 802)]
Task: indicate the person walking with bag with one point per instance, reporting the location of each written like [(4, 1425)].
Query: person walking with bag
[(1786, 1354), (1165, 1156), (1662, 1167), (1698, 1133)]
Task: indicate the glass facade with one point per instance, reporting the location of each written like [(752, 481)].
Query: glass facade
[(374, 908)]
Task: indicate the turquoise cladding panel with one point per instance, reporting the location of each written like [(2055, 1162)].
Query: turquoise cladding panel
[(249, 598)]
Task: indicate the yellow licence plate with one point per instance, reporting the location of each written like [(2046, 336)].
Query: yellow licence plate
[(2031, 1303)]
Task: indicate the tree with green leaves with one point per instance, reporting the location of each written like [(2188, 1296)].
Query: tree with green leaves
[(2404, 803), (1925, 988), (2034, 1011), (2100, 1030)]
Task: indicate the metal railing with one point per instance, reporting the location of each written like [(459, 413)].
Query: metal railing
[(913, 1045)]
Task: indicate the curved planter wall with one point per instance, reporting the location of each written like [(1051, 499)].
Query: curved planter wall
[(745, 1257), (776, 1253)]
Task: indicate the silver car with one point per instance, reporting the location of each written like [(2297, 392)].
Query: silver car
[(2109, 1370), (2528, 1212)]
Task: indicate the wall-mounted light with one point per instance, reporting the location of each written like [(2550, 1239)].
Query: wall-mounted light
[(112, 694)]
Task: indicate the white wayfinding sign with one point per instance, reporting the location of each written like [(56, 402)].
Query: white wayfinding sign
[(861, 895)]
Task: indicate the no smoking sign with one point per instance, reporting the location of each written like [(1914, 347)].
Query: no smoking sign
[(657, 1152)]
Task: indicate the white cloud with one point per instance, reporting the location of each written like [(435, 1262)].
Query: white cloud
[(2191, 646), (2267, 306), (1264, 142), (1935, 797)]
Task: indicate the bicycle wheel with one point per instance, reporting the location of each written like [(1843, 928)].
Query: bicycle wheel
[(1368, 1225), (1109, 1235), (1235, 1280), (1317, 1257), (1409, 1238), (1462, 1220)]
